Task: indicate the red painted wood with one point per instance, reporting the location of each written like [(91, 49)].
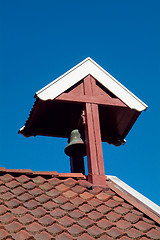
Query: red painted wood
[(96, 173), (101, 100)]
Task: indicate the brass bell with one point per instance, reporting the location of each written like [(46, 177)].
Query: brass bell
[(76, 146)]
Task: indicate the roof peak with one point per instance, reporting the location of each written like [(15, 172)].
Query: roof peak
[(81, 70)]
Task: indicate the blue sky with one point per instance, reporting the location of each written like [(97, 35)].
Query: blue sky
[(41, 40)]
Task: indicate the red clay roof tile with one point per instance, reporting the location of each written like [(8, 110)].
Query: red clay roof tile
[(70, 182), (42, 198), (54, 206), (26, 219), (94, 215), (76, 214), (103, 209), (34, 228), (64, 236), (4, 189), (86, 208), (3, 209), (94, 202), (68, 206), (13, 203), (75, 230), (22, 234), (43, 236), (104, 224), (18, 191), (22, 179), (69, 194), (154, 234), (95, 231), (130, 217), (85, 222), (134, 233), (25, 197), (66, 221), (115, 232), (113, 217), (50, 205), (13, 227), (7, 218), (55, 228), (57, 213), (46, 220), (85, 236), (123, 225)]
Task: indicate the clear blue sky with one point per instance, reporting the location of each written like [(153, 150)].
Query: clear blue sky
[(41, 40)]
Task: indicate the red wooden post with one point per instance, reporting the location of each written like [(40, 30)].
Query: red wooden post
[(96, 174)]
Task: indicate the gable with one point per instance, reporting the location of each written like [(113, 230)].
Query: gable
[(80, 71)]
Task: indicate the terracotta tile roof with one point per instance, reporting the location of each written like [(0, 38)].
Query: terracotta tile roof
[(48, 205)]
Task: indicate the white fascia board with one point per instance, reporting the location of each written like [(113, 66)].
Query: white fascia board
[(124, 187), (84, 68)]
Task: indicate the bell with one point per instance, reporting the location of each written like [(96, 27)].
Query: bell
[(76, 146)]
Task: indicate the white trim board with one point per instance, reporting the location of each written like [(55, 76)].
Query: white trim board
[(126, 188), (84, 68)]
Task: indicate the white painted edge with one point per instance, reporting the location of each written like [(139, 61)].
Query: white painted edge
[(126, 188), (81, 70)]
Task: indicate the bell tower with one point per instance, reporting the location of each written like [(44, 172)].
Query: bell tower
[(88, 106)]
